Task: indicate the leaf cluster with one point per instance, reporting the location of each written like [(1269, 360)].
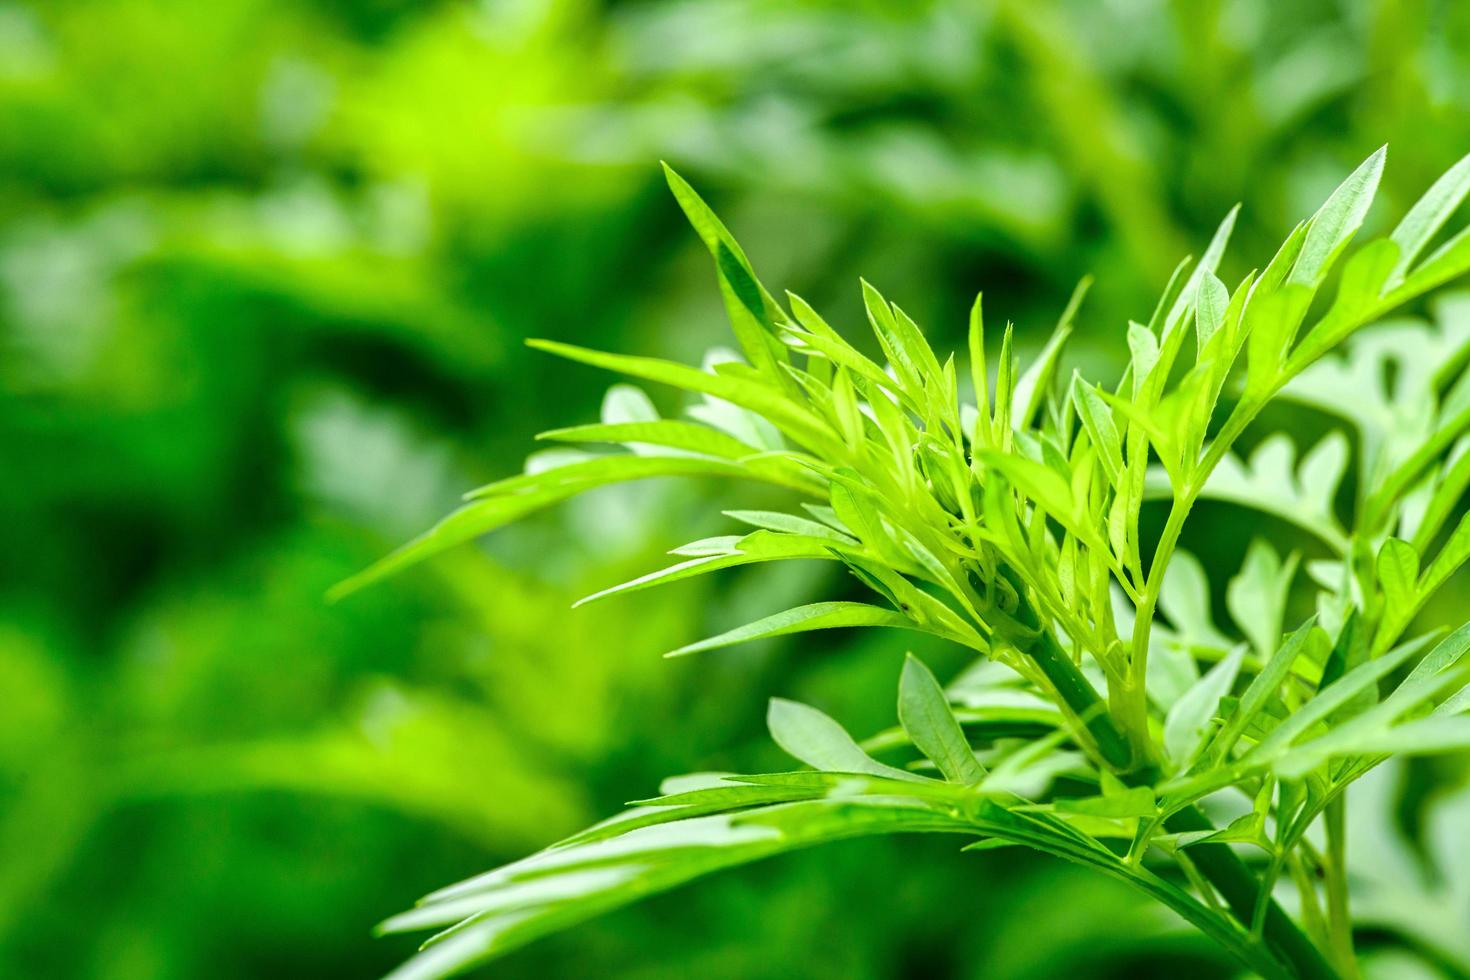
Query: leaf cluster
[(1001, 509)]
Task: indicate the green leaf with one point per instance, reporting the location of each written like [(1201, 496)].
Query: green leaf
[(1263, 690), (569, 883), (753, 313), (1185, 599), (1427, 673), (1209, 314), (1366, 732), (761, 546), (1256, 597), (1425, 736), (1272, 321), (1398, 577), (627, 403), (1364, 677), (1143, 349), (1098, 421), (904, 345), (1272, 482), (1048, 488), (802, 619), (847, 411), (1032, 386), (1188, 721), (857, 513), (1208, 263), (931, 725), (1358, 301), (1335, 223), (980, 374), (1137, 801), (819, 336), (1428, 215), (687, 436), (813, 737), (465, 524), (1455, 552), (789, 524), (1447, 262), (763, 399)]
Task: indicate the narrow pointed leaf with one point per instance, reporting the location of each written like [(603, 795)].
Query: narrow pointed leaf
[(803, 619)]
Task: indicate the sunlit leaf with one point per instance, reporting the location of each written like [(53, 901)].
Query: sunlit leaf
[(931, 724)]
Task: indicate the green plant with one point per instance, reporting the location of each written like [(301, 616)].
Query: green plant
[(1106, 713)]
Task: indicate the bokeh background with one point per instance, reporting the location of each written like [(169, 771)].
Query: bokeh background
[(265, 270)]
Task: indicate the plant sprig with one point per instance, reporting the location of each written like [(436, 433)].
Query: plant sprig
[(1010, 525)]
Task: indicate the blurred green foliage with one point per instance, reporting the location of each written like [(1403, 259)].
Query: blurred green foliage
[(265, 268)]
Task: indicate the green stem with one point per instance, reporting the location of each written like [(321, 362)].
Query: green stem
[(1241, 890), (1144, 618), (1219, 864), (1312, 917), (1339, 919), (1074, 689)]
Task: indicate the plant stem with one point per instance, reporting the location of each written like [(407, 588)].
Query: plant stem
[(1316, 923), (1339, 920), (1220, 865), (1071, 686), (1241, 890)]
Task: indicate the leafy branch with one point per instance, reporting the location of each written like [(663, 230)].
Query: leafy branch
[(1007, 519)]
